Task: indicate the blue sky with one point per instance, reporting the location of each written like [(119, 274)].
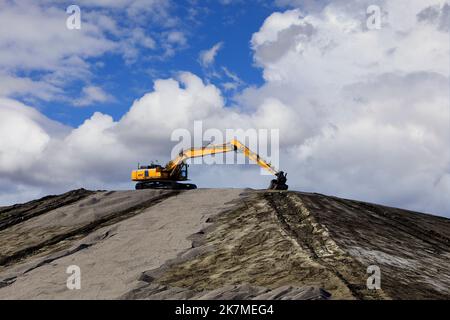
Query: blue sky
[(231, 24)]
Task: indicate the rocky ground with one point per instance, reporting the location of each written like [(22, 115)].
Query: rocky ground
[(219, 244)]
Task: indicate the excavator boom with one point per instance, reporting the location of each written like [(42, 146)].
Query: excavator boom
[(198, 152)]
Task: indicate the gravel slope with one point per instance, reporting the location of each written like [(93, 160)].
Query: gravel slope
[(219, 244)]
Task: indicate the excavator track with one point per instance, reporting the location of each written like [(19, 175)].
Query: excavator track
[(165, 185)]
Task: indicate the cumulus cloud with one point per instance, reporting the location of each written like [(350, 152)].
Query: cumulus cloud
[(373, 104), (25, 136), (100, 153)]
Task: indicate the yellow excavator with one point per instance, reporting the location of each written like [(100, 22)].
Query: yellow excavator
[(158, 177)]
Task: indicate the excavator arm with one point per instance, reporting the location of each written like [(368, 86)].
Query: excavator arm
[(253, 156), (276, 184)]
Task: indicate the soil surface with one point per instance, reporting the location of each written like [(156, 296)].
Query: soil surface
[(219, 244)]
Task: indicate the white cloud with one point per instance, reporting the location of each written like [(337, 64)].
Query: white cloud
[(91, 95), (229, 81), (34, 38), (40, 57), (25, 135), (234, 82), (11, 85), (208, 57), (173, 41), (135, 9), (177, 37), (23, 140), (135, 40), (373, 106), (101, 152)]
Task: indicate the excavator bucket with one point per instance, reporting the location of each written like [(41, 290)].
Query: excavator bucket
[(280, 182)]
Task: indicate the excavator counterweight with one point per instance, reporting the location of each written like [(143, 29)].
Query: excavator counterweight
[(176, 171)]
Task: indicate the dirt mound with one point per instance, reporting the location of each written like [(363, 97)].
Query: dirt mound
[(219, 244), (12, 215)]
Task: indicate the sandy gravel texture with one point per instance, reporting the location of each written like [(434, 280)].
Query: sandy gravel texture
[(412, 249), (220, 244), (264, 241), (115, 255)]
